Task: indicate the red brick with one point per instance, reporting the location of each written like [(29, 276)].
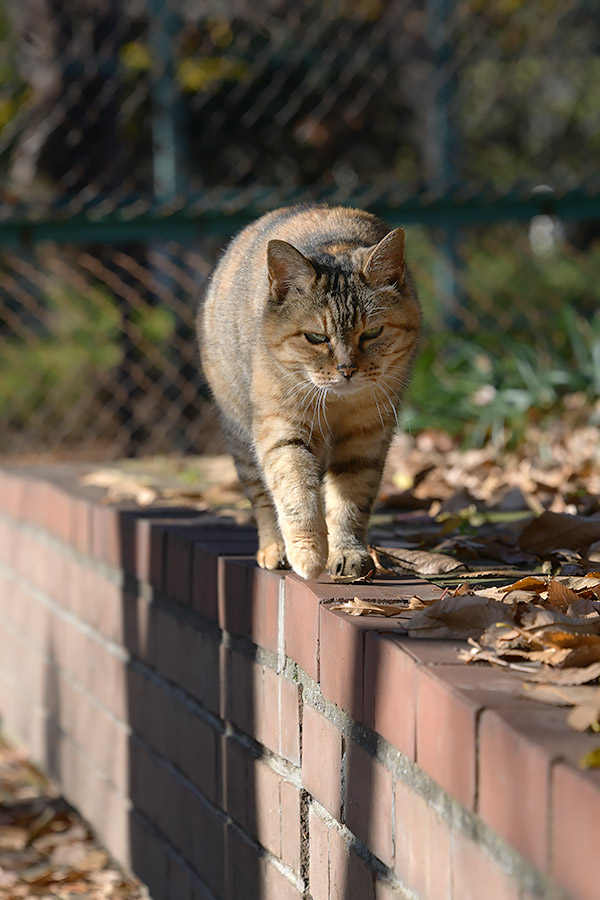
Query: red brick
[(204, 597), (196, 751), (301, 625), (12, 494), (163, 797), (422, 846), (349, 877), (241, 691), (148, 858), (517, 748), (290, 825), (236, 784), (264, 812), (8, 541), (244, 869), (369, 802), (249, 601), (97, 601), (275, 886), (35, 502), (106, 535), (475, 874), (207, 831), (108, 677), (318, 864), (200, 667), (173, 730), (167, 640), (104, 742), (342, 661), (446, 733), (139, 635), (178, 574), (147, 560), (81, 512), (58, 577), (390, 692), (277, 717), (322, 760), (262, 704), (575, 817), (180, 881), (59, 513)]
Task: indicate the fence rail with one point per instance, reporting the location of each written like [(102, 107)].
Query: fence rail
[(137, 135)]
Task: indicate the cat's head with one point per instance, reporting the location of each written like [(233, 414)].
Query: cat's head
[(346, 319)]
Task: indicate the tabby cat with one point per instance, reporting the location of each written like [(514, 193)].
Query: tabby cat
[(307, 334)]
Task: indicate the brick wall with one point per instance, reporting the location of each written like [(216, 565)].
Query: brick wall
[(230, 736)]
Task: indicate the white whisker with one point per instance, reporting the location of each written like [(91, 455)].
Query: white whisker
[(371, 388), (389, 400)]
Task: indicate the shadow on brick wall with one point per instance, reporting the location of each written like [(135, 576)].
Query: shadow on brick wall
[(190, 780)]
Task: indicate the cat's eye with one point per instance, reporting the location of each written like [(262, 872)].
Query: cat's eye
[(313, 338), (371, 333)]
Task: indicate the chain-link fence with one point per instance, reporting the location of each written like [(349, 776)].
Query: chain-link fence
[(136, 135)]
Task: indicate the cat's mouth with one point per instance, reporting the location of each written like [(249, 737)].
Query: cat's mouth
[(345, 386)]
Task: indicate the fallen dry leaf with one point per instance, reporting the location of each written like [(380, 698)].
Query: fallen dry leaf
[(357, 607), (551, 531), (457, 617), (586, 714), (555, 695), (560, 595), (421, 562), (53, 853), (529, 583)]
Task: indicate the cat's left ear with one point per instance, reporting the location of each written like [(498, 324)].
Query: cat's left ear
[(287, 267), (385, 263)]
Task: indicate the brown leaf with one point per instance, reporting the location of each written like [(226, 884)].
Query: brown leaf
[(529, 583), (560, 595), (560, 696), (457, 617), (354, 579), (358, 607), (586, 715), (416, 602), (567, 639), (12, 837), (567, 676), (552, 531), (79, 856), (422, 562)]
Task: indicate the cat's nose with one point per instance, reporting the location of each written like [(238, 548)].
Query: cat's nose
[(347, 370)]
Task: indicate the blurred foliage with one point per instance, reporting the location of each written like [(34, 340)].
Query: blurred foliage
[(346, 93), (75, 357), (530, 339)]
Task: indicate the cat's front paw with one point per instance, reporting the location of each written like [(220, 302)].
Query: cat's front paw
[(307, 555), (272, 556), (353, 563)]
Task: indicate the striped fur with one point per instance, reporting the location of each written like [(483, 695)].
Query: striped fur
[(309, 423)]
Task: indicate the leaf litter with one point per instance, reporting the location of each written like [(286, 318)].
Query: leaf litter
[(46, 850)]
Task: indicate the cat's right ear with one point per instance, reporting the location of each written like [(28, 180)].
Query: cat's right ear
[(287, 268), (385, 264)]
